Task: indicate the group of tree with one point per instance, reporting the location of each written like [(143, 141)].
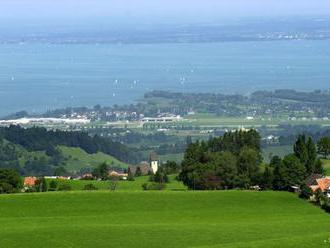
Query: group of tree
[(234, 161), (10, 181), (294, 169), (230, 161)]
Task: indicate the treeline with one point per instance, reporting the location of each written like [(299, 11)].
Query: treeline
[(235, 161), (317, 96), (41, 139)]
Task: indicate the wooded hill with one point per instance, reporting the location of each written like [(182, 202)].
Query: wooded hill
[(42, 152)]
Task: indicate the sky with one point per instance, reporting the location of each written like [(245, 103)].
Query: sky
[(156, 11)]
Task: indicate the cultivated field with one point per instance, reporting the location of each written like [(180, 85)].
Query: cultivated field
[(229, 219)]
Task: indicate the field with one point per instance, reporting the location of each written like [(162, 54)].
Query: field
[(210, 120), (122, 185), (229, 219)]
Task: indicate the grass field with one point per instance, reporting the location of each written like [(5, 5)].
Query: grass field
[(228, 219), (122, 185)]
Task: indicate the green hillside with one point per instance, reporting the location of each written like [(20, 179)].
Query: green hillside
[(229, 219), (78, 158), (74, 158)]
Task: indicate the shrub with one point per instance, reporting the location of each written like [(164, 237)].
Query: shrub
[(305, 192), (153, 186), (6, 188), (326, 205), (64, 187), (90, 187), (53, 185)]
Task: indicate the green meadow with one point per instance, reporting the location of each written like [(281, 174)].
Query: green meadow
[(228, 219), (135, 185)]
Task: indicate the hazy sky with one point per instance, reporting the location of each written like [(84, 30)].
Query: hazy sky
[(157, 10)]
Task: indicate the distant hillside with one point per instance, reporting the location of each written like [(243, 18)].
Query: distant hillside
[(78, 159), (72, 160), (41, 139), (37, 151)]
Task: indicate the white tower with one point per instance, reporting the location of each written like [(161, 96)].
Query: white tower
[(154, 163)]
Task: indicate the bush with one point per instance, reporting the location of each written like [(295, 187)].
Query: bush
[(10, 181), (53, 185), (305, 192), (153, 186), (326, 205), (90, 187), (64, 187), (6, 188)]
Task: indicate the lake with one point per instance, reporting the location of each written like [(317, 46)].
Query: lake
[(38, 77)]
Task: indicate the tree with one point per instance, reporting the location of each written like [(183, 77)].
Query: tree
[(278, 173), (160, 176), (323, 147), (61, 171), (318, 168), (41, 185), (311, 156), (171, 167), (267, 179), (226, 169), (130, 176), (101, 171), (294, 172), (300, 149), (10, 181), (248, 162), (138, 172)]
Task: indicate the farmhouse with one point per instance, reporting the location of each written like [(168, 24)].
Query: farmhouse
[(323, 184), (122, 176), (144, 168)]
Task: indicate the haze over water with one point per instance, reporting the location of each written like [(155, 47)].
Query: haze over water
[(38, 77)]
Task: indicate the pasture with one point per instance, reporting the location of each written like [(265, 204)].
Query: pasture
[(228, 219)]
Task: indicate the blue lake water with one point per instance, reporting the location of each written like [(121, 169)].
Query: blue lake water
[(38, 77)]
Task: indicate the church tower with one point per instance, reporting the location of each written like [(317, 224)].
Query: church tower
[(154, 163)]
